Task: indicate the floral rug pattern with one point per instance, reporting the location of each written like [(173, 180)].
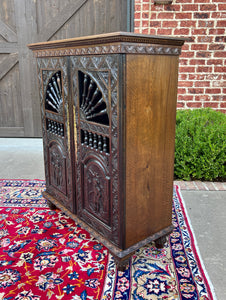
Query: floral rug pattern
[(46, 255)]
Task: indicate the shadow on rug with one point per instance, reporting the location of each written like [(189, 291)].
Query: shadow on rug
[(46, 255)]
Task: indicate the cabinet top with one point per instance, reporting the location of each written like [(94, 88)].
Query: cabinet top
[(116, 42)]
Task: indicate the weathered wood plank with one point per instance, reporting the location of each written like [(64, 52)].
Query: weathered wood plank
[(8, 47), (7, 32), (11, 131), (55, 24), (27, 24), (8, 63)]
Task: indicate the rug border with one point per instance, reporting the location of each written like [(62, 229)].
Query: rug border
[(195, 247)]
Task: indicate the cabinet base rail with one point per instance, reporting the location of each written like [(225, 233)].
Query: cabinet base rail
[(121, 257)]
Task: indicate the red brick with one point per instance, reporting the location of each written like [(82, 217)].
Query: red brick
[(137, 7), (199, 47), (182, 76), (197, 76), (219, 39), (145, 23), (137, 25), (203, 83), (205, 23), (190, 7), (214, 77), (205, 39), (185, 97), (220, 54), (180, 104), (188, 23), (152, 31), (185, 83), (181, 31), (181, 91), (165, 15), (223, 105), (213, 91), (218, 83), (211, 104), (216, 47), (187, 54), (170, 24), (145, 30), (201, 31), (221, 23), (201, 1), (194, 104), (196, 91), (164, 31), (222, 6), (202, 69), (203, 54), (206, 7), (145, 15), (197, 62), (183, 16), (172, 7), (218, 15), (202, 97), (137, 15), (145, 7), (183, 62), (215, 62), (217, 31), (199, 15), (218, 98), (187, 69), (136, 30), (155, 24), (220, 69)]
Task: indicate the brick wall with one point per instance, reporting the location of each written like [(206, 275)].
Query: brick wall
[(202, 71)]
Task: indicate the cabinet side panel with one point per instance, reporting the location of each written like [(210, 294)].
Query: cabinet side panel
[(150, 133)]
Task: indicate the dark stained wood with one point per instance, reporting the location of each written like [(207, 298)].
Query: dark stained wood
[(111, 168), (150, 130), (109, 38)]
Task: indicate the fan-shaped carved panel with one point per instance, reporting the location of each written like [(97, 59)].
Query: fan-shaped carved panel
[(92, 104), (96, 190), (53, 95)]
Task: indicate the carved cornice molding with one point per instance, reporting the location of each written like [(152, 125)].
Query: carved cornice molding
[(128, 48)]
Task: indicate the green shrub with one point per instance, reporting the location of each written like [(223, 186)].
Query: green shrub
[(200, 149)]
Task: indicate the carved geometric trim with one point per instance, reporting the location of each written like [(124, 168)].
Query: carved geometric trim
[(112, 49)]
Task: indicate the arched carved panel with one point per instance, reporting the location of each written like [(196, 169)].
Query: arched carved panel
[(57, 167), (96, 189)]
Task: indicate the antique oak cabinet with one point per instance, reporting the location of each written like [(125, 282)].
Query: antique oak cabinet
[(108, 105)]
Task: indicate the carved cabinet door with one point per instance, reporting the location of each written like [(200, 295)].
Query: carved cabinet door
[(55, 111), (95, 96)]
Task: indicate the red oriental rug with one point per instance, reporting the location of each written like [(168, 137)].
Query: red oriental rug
[(46, 255)]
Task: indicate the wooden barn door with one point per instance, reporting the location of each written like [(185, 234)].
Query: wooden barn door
[(28, 21)]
